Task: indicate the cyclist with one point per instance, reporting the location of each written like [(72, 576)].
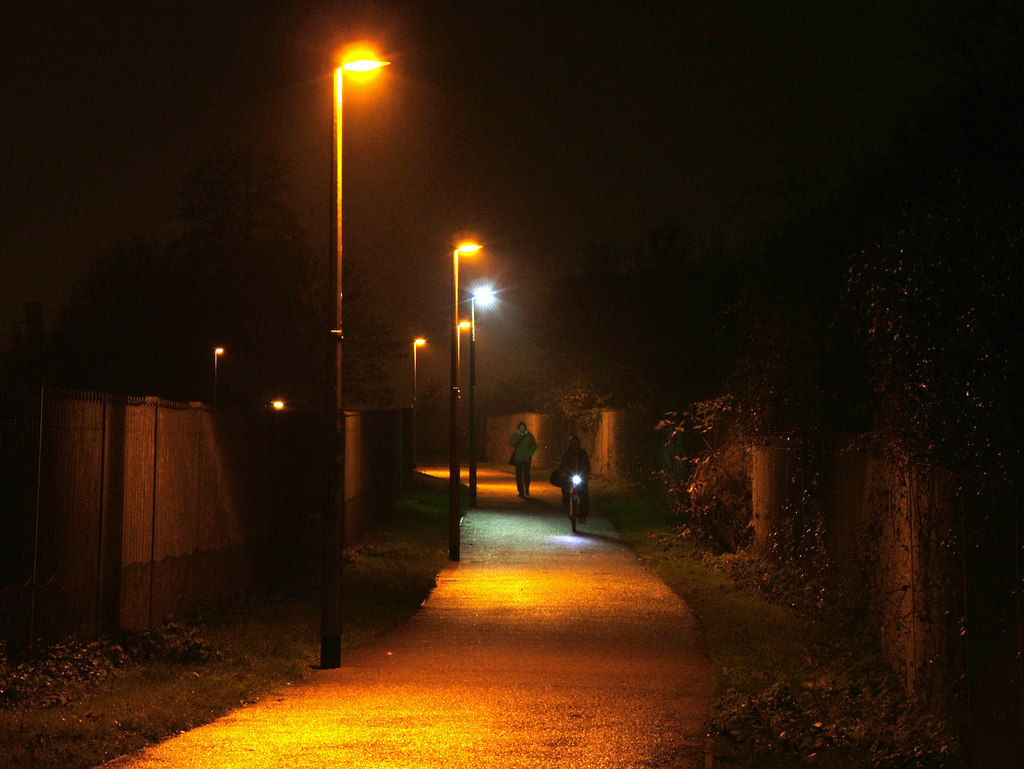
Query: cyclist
[(576, 461)]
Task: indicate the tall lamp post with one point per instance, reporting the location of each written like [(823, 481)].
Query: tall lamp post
[(217, 352), (416, 344), (454, 469), (485, 296), (334, 514)]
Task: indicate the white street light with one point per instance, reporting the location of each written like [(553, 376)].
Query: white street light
[(484, 296)]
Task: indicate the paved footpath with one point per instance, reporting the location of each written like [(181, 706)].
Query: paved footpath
[(539, 648)]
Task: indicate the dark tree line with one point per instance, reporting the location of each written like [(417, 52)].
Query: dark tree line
[(145, 316), (895, 304), (890, 306), (890, 303), (645, 327)]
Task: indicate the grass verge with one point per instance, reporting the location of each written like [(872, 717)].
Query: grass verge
[(794, 690), (77, 705)]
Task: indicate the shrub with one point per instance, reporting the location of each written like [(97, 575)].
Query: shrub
[(708, 477), (58, 673)]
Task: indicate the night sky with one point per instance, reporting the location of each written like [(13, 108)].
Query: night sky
[(543, 127)]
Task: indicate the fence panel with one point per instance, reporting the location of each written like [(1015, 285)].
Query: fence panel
[(174, 522), (116, 512), (233, 501), (70, 513), (139, 508)]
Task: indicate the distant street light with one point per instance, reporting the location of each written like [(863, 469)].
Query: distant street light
[(416, 344), (334, 515), (277, 405), (454, 469), (485, 296), (217, 352)]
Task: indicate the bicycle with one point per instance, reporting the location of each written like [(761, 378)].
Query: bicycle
[(574, 501)]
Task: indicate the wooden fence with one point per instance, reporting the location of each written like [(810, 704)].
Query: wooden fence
[(622, 444), (117, 512)]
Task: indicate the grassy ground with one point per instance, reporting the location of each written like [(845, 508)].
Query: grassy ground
[(78, 705), (792, 691)]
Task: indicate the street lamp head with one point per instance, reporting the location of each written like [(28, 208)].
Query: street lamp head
[(464, 324), (484, 296), (278, 405), (419, 342), (468, 248), (363, 65), (218, 350)]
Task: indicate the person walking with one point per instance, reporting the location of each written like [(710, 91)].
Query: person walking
[(524, 446)]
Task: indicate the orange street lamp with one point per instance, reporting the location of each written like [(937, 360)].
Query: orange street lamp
[(416, 344), (334, 514), (363, 65), (454, 469), (217, 352)]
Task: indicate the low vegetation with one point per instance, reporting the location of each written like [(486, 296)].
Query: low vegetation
[(795, 688), (792, 690), (79, 703)]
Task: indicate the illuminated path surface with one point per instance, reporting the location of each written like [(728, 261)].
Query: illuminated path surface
[(538, 649)]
